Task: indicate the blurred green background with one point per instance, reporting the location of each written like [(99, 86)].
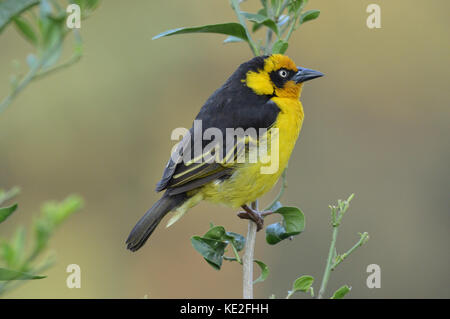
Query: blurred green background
[(378, 124)]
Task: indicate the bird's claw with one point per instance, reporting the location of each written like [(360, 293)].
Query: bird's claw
[(255, 216)]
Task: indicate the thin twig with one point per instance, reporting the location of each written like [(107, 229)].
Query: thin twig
[(26, 80), (237, 10), (340, 258), (13, 284), (73, 59), (337, 213), (326, 275)]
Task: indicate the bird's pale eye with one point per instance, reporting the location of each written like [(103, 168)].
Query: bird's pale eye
[(283, 73)]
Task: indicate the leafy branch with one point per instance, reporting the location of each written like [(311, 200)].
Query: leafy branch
[(17, 258), (334, 259), (280, 17), (43, 24)]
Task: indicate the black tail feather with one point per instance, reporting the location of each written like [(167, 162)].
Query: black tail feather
[(147, 224)]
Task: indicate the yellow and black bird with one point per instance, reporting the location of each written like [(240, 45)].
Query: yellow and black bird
[(262, 93)]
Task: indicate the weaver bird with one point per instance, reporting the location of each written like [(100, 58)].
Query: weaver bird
[(262, 93)]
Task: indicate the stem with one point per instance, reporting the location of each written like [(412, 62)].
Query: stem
[(251, 43), (74, 59), (26, 80), (340, 258), (247, 269), (293, 25), (327, 272), (286, 2), (76, 56), (236, 255), (268, 47), (291, 29), (337, 213)]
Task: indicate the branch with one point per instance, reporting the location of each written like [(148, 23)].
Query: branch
[(247, 271), (326, 275), (337, 213), (340, 258)]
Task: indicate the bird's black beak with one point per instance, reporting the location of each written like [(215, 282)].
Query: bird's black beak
[(304, 75)]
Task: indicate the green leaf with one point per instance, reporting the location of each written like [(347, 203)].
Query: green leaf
[(275, 3), (5, 212), (264, 271), (219, 233), (11, 8), (275, 233), (309, 15), (215, 232), (45, 9), (4, 196), (53, 214), (52, 42), (18, 247), (26, 29), (261, 19), (32, 60), (12, 252), (87, 4), (8, 274), (7, 253), (280, 47), (264, 3), (86, 7), (212, 245), (296, 6), (293, 218), (341, 292), (237, 239), (293, 223), (257, 26), (232, 39), (275, 206), (283, 20), (233, 29), (212, 250), (303, 284), (57, 212)]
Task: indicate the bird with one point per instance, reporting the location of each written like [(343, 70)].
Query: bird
[(262, 93)]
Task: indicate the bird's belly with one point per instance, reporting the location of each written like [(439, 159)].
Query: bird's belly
[(252, 180), (244, 186)]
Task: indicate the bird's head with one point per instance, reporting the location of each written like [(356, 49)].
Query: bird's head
[(276, 75)]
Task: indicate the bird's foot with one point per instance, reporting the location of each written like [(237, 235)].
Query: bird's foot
[(255, 216)]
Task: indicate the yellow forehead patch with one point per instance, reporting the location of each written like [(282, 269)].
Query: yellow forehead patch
[(279, 61)]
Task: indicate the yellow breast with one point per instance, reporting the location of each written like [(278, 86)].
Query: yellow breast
[(248, 182)]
